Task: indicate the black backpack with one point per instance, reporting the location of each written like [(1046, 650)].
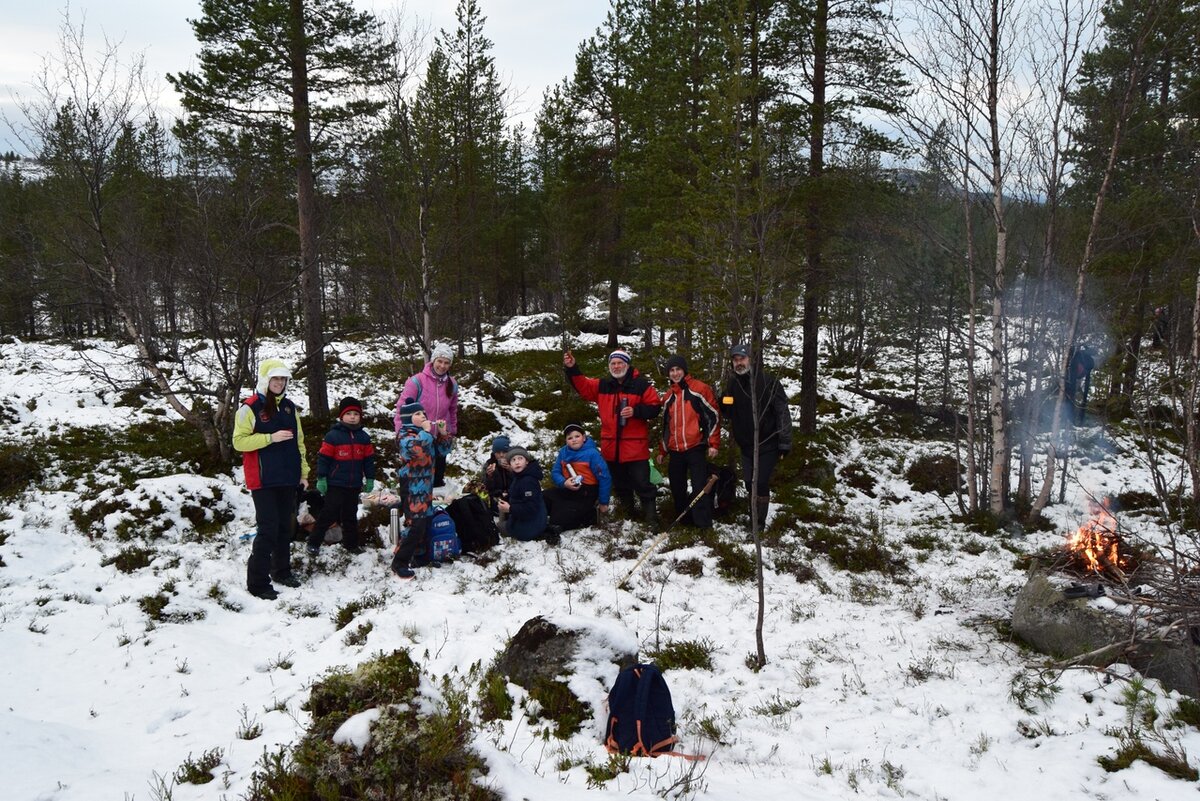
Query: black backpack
[(476, 529), (724, 491), (641, 718)]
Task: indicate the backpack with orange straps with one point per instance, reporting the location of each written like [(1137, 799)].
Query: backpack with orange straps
[(641, 718)]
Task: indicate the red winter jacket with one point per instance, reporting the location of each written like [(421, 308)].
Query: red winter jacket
[(620, 443), (690, 417)]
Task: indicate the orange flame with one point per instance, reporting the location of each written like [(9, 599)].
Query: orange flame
[(1096, 543)]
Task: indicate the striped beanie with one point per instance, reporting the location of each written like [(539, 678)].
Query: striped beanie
[(407, 411)]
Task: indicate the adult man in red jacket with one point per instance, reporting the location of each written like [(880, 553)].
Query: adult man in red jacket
[(627, 401)]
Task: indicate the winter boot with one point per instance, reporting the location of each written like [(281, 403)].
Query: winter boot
[(649, 514), (400, 567), (763, 505), (625, 504)]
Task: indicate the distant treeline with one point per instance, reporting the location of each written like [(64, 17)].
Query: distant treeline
[(734, 162)]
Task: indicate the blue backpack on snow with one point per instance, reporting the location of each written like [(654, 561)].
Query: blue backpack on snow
[(443, 537), (641, 718)]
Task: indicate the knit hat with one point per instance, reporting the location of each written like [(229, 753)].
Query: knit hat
[(677, 361), (517, 450), (442, 352), (573, 427), (501, 444), (622, 354), (407, 411), (349, 404), (271, 368), (739, 350)]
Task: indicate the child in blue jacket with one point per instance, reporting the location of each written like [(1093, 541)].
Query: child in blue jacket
[(345, 467), (581, 481)]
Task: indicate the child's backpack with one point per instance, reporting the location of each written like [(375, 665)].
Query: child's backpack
[(476, 529), (443, 538), (641, 718), (724, 491)]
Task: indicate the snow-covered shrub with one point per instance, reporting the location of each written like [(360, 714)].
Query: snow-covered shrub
[(384, 727), (934, 473)]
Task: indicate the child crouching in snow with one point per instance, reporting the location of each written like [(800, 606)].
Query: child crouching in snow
[(417, 442), (523, 513), (581, 480)]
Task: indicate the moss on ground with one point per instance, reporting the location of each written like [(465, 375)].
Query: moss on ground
[(411, 754)]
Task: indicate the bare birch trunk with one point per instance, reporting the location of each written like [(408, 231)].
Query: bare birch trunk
[(426, 272), (996, 407), (972, 393), (1190, 411), (1085, 262)]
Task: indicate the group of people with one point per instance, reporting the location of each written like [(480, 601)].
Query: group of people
[(691, 429), (585, 477), (268, 434), (512, 479)]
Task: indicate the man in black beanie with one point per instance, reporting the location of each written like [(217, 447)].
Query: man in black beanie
[(691, 434)]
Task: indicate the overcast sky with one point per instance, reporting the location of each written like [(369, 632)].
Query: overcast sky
[(535, 40)]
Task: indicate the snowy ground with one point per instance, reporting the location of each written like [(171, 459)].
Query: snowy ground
[(875, 687)]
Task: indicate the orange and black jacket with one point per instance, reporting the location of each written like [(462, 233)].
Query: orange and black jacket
[(690, 417), (629, 442)]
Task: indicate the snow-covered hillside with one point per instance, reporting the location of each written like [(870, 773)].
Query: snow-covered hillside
[(876, 686)]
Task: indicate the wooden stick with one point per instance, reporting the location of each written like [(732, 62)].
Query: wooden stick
[(712, 480)]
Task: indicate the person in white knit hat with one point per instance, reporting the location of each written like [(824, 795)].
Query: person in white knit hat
[(436, 390)]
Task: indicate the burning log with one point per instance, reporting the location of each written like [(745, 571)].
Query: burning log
[(1096, 546)]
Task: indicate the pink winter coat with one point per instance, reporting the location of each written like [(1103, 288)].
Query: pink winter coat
[(438, 394)]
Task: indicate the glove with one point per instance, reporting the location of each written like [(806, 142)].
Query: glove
[(322, 485), (369, 486)]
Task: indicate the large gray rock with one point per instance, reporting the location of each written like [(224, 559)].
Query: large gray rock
[(1067, 627), (542, 651), (532, 326)]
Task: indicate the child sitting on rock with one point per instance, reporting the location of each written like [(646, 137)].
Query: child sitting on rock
[(581, 479), (496, 475)]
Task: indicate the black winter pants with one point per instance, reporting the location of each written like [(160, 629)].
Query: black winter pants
[(341, 507), (569, 509), (439, 470), (270, 553), (416, 536), (767, 459), (690, 464), (630, 478)]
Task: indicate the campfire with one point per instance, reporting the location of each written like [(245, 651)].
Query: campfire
[(1096, 547)]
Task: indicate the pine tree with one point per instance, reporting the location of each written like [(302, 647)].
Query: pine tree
[(837, 65), (478, 139), (299, 65)]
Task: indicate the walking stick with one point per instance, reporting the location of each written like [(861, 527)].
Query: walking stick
[(712, 480)]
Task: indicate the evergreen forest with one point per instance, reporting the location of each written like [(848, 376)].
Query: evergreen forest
[(1001, 181)]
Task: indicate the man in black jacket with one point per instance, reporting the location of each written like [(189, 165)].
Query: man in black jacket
[(749, 388)]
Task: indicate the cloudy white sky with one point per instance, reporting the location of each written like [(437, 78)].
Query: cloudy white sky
[(535, 40)]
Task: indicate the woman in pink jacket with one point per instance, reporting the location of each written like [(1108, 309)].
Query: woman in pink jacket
[(436, 390)]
